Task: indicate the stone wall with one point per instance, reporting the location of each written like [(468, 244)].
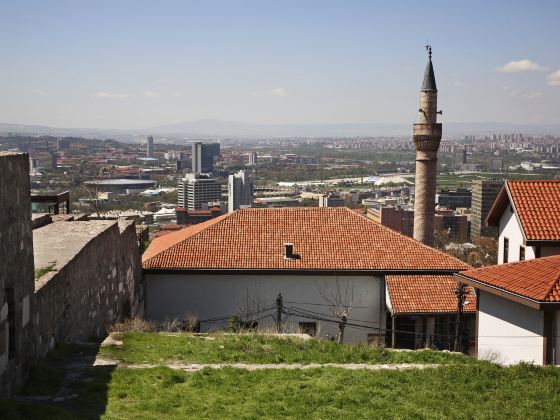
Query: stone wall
[(94, 288), (91, 277), (16, 271)]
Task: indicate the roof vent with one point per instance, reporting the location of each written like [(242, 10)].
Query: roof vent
[(289, 251)]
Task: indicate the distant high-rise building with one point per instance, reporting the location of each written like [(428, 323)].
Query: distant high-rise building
[(253, 158), (215, 149), (461, 197), (427, 137), (202, 157), (198, 192), (455, 226), (484, 193), (150, 147), (241, 190)]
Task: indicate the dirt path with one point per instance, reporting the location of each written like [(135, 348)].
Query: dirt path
[(194, 367)]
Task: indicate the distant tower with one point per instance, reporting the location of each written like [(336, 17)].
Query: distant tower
[(427, 136), (150, 147)]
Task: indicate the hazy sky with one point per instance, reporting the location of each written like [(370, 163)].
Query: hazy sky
[(134, 64)]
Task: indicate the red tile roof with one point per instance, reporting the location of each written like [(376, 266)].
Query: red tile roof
[(537, 205), (323, 238), (417, 294), (537, 279)]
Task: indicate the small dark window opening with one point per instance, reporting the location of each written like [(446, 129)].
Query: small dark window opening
[(506, 250), (10, 295), (309, 328), (521, 253)]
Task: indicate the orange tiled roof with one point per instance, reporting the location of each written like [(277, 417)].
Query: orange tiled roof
[(419, 294), (323, 238), (538, 207), (537, 279)]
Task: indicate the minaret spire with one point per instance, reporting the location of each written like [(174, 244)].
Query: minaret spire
[(427, 136)]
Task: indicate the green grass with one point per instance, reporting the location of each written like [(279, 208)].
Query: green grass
[(461, 388), (40, 272), (472, 391), (253, 348)]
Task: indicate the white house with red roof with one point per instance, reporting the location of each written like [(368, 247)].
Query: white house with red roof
[(518, 317), (527, 214), (237, 265)]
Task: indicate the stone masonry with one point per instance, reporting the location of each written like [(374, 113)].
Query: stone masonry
[(16, 271), (88, 276)]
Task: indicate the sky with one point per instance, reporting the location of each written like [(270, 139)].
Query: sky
[(137, 64)]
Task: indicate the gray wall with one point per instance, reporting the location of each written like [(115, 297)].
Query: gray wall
[(99, 286), (78, 301), (172, 296), (16, 270)]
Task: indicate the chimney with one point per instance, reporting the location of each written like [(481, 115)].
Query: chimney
[(289, 251)]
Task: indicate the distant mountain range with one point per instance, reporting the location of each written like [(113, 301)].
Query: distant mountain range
[(232, 129)]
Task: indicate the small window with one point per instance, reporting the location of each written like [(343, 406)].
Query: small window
[(309, 328), (506, 250), (521, 253)]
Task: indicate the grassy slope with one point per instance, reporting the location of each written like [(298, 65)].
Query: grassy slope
[(159, 348), (462, 389), (473, 391)]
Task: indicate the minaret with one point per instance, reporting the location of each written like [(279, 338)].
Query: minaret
[(427, 136)]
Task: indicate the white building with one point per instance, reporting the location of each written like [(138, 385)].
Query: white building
[(527, 214), (198, 192), (253, 158), (238, 264), (518, 317), (241, 190)]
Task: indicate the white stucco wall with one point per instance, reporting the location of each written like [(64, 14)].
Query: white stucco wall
[(510, 228), (171, 296), (510, 331)]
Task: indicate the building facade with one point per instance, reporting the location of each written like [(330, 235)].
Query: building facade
[(397, 218), (518, 312), (241, 190), (202, 157), (484, 193), (527, 217), (237, 264), (330, 200), (198, 192), (461, 197), (150, 147)]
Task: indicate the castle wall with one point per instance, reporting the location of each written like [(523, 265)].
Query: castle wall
[(16, 271), (94, 289), (91, 277)]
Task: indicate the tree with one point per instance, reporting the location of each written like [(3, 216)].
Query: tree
[(485, 253), (341, 301), (250, 308)]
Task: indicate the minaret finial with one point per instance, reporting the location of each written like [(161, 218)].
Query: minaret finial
[(429, 49)]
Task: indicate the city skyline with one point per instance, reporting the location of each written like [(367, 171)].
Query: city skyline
[(133, 65)]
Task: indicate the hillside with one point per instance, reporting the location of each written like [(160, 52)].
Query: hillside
[(149, 375)]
